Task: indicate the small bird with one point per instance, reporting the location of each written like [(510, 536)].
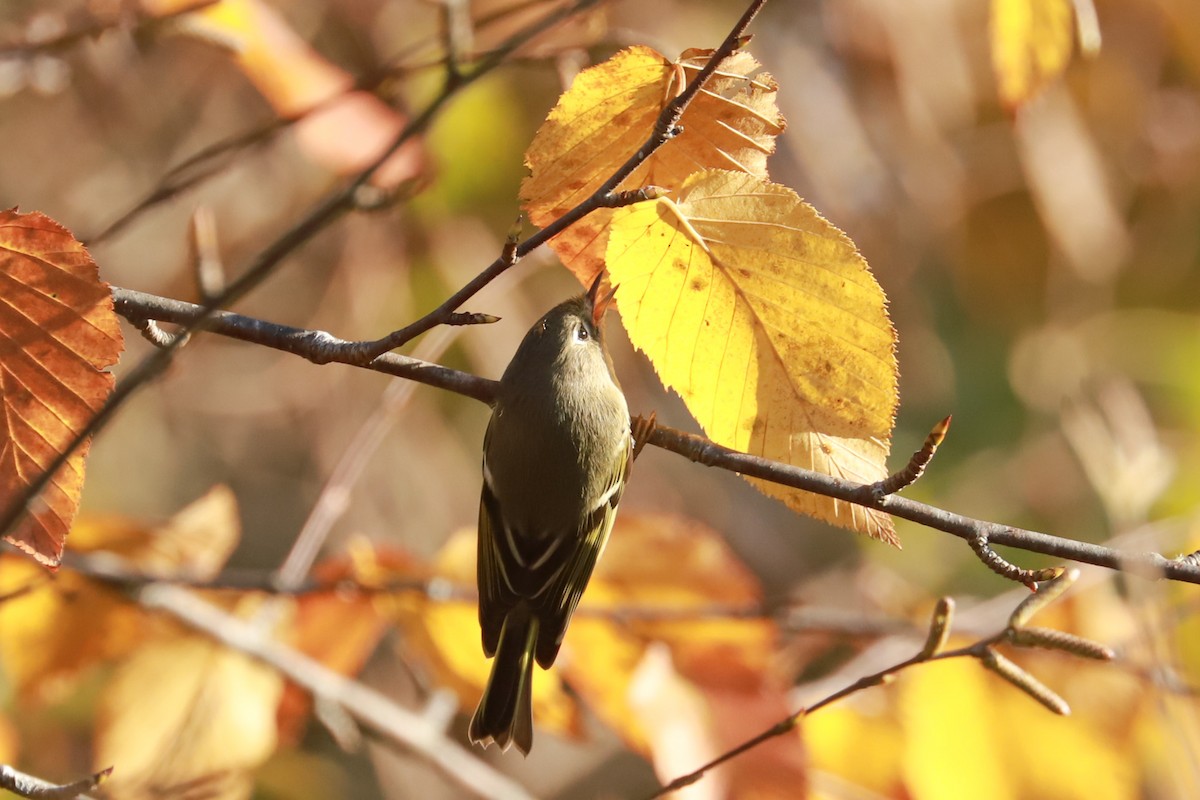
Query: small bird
[(555, 460)]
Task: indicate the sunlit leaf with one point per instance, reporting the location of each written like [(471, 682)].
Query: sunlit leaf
[(443, 635), (186, 712), (1031, 45), (57, 628), (58, 333), (671, 651), (768, 323), (610, 111)]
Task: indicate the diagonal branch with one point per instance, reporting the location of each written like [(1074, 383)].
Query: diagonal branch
[(665, 128), (410, 730), (321, 348), (321, 215)]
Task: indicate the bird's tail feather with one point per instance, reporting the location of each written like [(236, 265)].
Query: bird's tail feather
[(505, 713)]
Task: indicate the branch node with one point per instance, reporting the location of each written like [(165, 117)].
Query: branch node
[(1043, 597), (155, 335), (916, 465), (628, 198), (509, 255), (997, 564), (939, 628), (1018, 677), (642, 429), (322, 347), (471, 318)]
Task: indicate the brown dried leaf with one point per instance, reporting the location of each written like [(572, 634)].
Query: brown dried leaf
[(58, 333)]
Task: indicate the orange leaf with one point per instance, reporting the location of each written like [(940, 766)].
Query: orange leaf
[(671, 580), (58, 333), (340, 628), (609, 112)]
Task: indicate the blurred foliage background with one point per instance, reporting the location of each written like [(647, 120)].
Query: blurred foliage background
[(1043, 269)]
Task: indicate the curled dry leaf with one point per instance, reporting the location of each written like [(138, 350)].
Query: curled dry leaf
[(609, 112), (768, 323), (58, 333)]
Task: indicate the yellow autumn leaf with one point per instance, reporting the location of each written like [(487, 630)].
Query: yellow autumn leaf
[(610, 111), (768, 323), (57, 628), (688, 579), (1031, 45), (186, 713), (969, 734), (444, 635)]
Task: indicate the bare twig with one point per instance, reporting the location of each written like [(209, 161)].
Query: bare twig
[(316, 219), (211, 160), (704, 451), (25, 785), (666, 127), (320, 347), (999, 565), (917, 464), (376, 712), (983, 650)]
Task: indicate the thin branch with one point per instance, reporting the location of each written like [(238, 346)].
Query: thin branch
[(263, 265), (666, 127), (212, 159), (982, 650), (1144, 563), (316, 346), (375, 711), (916, 465), (25, 785), (321, 348)]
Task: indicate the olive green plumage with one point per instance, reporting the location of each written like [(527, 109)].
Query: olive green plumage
[(555, 459)]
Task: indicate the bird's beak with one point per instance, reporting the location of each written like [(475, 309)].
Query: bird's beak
[(598, 301)]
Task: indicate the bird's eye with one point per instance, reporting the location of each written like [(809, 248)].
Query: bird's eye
[(581, 333)]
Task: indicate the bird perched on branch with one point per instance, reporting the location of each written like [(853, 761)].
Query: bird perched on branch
[(555, 460)]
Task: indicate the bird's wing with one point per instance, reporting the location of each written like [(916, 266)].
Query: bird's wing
[(570, 575)]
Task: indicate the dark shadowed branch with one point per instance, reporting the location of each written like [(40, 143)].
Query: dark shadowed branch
[(321, 348)]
